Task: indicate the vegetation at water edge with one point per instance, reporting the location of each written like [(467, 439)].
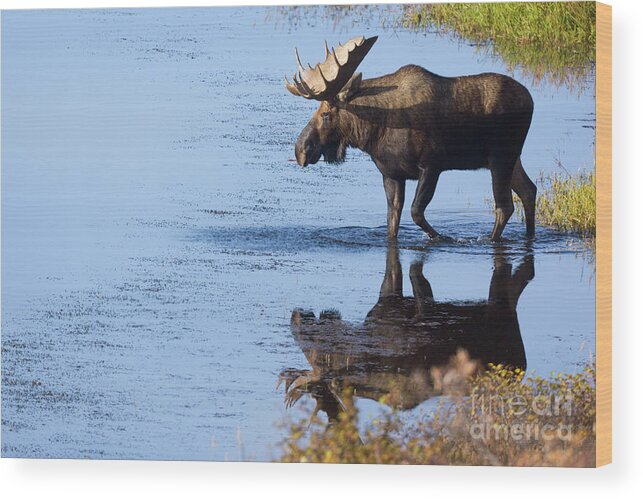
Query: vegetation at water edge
[(552, 40), (497, 417)]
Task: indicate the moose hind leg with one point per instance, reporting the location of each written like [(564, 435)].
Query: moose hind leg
[(521, 277), (526, 191), (423, 195), (422, 291), (501, 182), (395, 200)]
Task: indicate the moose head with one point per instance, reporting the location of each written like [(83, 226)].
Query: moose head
[(333, 82)]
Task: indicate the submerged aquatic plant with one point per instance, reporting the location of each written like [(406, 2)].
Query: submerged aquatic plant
[(502, 418)]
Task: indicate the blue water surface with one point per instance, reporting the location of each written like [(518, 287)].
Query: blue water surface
[(156, 234)]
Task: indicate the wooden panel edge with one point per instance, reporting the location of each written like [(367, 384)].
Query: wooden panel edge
[(603, 234)]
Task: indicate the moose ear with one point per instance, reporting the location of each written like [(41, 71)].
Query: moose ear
[(347, 92)]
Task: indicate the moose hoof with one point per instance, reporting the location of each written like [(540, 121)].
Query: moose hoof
[(441, 238)]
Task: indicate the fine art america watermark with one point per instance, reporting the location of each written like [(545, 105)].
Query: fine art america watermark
[(542, 417)]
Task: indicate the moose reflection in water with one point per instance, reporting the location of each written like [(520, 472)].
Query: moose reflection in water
[(392, 353)]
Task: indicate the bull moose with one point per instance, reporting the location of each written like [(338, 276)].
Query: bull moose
[(415, 124), (402, 339)]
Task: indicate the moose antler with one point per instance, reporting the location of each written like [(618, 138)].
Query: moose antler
[(325, 80)]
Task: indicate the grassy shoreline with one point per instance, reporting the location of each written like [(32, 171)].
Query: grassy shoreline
[(566, 203), (554, 41)]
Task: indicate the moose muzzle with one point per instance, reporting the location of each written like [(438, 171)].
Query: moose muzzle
[(308, 148)]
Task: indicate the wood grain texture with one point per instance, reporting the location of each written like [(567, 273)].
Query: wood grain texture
[(603, 234)]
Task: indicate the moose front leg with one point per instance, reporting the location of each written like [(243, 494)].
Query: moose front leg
[(395, 199), (423, 195)]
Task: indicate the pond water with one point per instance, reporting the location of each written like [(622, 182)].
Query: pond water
[(157, 236)]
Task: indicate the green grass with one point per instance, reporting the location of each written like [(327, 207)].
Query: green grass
[(551, 40), (568, 203), (486, 424)]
